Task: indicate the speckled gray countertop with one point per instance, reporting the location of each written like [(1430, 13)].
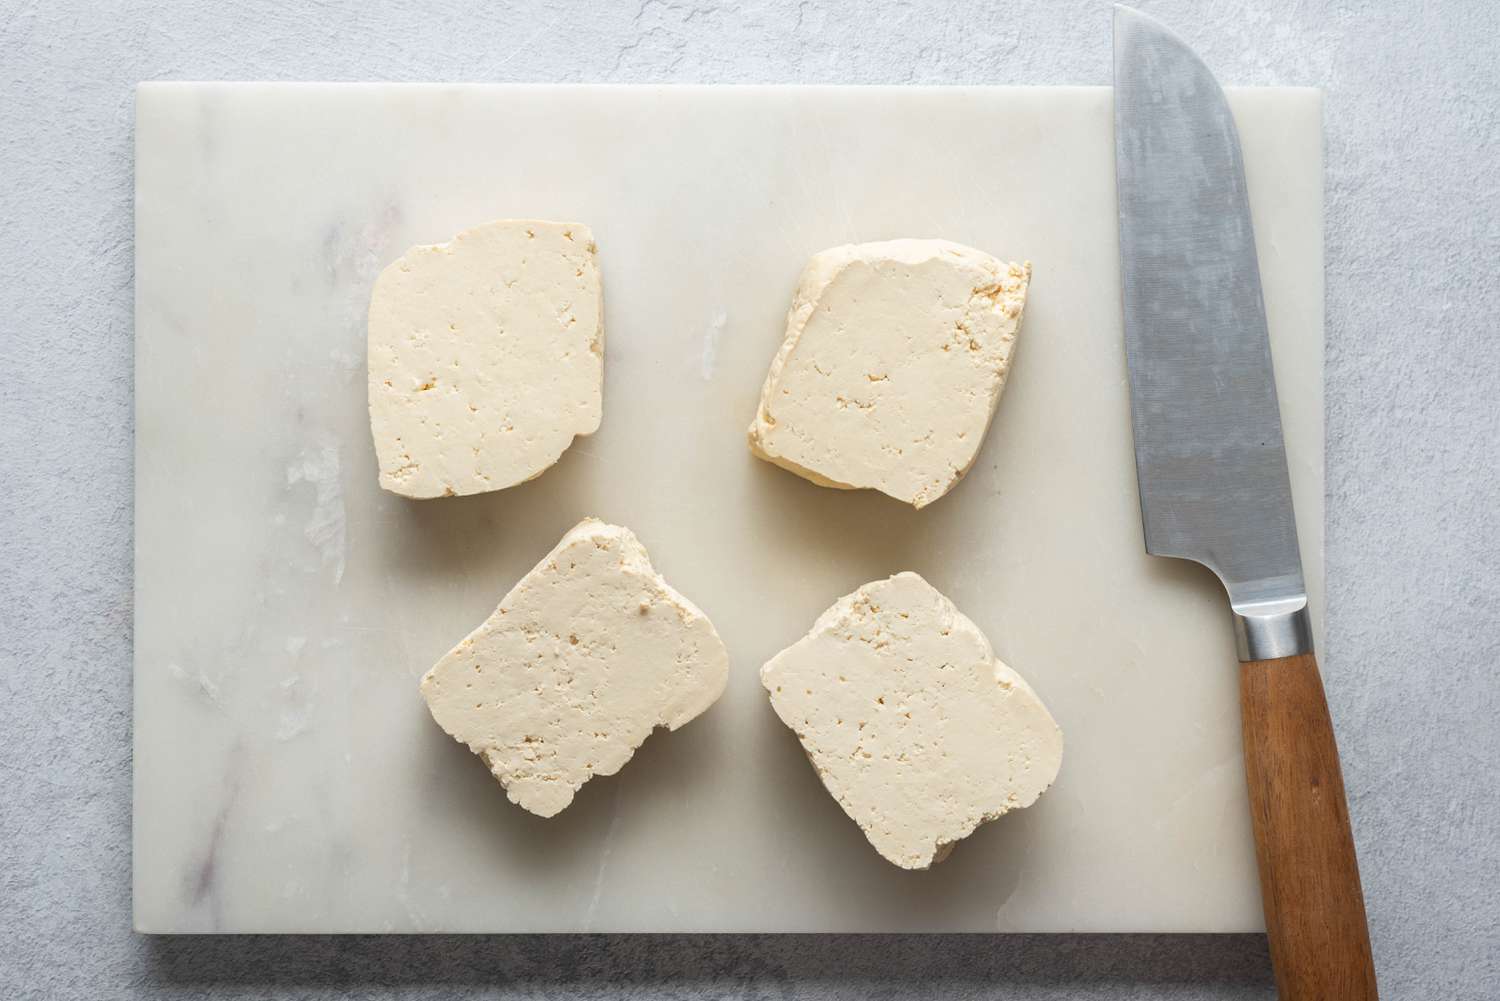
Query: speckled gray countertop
[(1413, 228)]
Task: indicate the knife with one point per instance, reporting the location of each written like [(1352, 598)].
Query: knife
[(1214, 486)]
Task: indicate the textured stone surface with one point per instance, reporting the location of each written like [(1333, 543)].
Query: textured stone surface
[(1413, 126)]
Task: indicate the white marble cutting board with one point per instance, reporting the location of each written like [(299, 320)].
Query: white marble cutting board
[(287, 774)]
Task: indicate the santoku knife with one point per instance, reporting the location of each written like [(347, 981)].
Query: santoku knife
[(1214, 486)]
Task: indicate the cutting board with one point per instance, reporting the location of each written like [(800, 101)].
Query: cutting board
[(288, 777)]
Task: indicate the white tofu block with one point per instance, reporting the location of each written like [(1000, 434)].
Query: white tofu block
[(587, 654), (894, 359), (913, 725), (486, 357)]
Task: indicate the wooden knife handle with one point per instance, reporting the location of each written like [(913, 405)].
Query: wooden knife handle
[(1309, 877)]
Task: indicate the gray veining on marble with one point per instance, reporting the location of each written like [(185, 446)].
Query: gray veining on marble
[(1413, 379)]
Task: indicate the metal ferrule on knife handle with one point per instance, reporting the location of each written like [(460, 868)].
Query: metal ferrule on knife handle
[(1270, 630)]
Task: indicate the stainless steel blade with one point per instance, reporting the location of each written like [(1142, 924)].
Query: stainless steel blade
[(1208, 446)]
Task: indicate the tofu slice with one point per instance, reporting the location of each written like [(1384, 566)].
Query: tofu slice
[(894, 359), (583, 658), (486, 357), (913, 725)]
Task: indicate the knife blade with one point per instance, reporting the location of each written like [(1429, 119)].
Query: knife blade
[(1208, 445), (1214, 487)]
